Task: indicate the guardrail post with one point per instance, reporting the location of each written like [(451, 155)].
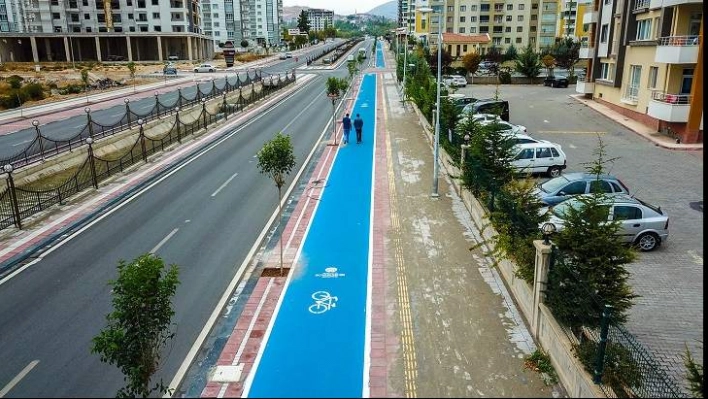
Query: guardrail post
[(177, 122), (35, 123), (127, 110), (204, 112), (225, 107), (90, 122), (142, 140), (92, 163), (600, 361), (179, 97), (13, 195), (213, 88), (157, 105)]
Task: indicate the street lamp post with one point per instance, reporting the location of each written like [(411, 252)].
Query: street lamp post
[(334, 98), (7, 168), (437, 106)]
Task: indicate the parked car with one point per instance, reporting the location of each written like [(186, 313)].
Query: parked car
[(641, 224), (503, 126), (169, 69), (288, 55), (547, 158), (460, 100), (282, 56), (489, 106), (172, 57), (568, 185), (205, 68), (447, 80), (556, 81), (457, 81)]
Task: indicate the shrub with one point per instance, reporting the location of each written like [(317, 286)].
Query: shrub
[(33, 91), (504, 77), (15, 81)]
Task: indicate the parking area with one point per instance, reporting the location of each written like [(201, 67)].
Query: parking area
[(669, 280)]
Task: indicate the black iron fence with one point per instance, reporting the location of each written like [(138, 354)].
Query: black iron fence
[(43, 147), (19, 203)]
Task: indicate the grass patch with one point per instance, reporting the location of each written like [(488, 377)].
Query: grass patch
[(540, 362)]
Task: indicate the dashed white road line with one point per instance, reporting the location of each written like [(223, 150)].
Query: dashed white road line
[(224, 185), (164, 240)]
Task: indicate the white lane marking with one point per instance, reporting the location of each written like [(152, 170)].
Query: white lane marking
[(545, 121), (18, 377), (224, 185), (572, 146), (164, 240)]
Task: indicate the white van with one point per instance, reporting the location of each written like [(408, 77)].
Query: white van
[(543, 157), (350, 57)]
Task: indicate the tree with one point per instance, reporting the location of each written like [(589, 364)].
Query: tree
[(511, 53), (85, 78), (566, 52), (132, 68), (694, 376), (276, 159), (303, 23), (588, 272), (138, 327), (445, 58), (495, 57), (549, 62), (471, 62), (528, 63), (335, 86), (244, 43)]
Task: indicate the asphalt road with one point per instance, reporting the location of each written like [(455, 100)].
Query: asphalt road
[(669, 280), (68, 128), (205, 218)]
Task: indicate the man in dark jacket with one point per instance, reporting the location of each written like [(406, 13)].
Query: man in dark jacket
[(358, 126), (346, 127)]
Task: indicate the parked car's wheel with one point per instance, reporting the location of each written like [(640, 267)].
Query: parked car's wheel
[(196, 70), (554, 171), (211, 70), (647, 242)]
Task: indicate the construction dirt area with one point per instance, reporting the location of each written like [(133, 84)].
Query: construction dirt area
[(61, 80)]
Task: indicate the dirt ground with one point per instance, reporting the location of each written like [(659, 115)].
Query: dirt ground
[(63, 74)]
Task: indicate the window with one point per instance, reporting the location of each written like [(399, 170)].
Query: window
[(450, 9), (686, 81), (603, 33), (574, 188), (55, 3), (519, 29), (85, 3), (635, 74), (157, 28), (526, 153), (507, 30), (55, 15), (509, 7), (626, 212), (497, 29), (507, 40), (130, 16), (532, 28), (473, 19), (605, 71), (156, 2), (544, 152), (653, 73), (88, 29), (462, 19), (509, 18), (484, 7), (463, 8), (87, 16), (483, 29), (484, 19), (156, 15), (497, 19), (461, 30), (644, 29), (464, 48), (534, 6), (534, 17), (101, 18), (600, 186), (473, 7), (473, 30), (498, 7), (520, 18), (522, 7), (518, 40), (143, 28)]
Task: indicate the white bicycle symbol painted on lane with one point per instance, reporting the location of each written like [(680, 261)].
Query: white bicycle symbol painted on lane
[(323, 302)]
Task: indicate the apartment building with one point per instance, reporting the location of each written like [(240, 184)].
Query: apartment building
[(7, 16), (214, 17), (260, 22), (570, 18), (98, 30), (646, 62), (320, 18)]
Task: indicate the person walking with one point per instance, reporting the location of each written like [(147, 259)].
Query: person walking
[(346, 127), (358, 126)]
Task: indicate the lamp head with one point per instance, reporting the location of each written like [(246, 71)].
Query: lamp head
[(35, 123), (89, 140), (127, 100), (87, 110), (7, 168), (547, 229), (140, 122)]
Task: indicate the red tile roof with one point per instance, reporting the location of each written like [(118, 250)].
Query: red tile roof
[(465, 39)]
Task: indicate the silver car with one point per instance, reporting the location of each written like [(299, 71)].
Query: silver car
[(205, 68), (567, 185), (641, 224)]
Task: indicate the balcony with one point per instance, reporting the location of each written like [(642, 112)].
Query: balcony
[(669, 107), (670, 3), (641, 5), (584, 87), (586, 51), (677, 50), (590, 17)]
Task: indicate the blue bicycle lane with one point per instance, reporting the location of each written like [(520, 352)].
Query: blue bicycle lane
[(318, 343)]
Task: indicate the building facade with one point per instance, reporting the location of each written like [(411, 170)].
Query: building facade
[(646, 62), (319, 18), (260, 22)]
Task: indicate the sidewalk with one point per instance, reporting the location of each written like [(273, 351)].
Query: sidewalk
[(648, 133)]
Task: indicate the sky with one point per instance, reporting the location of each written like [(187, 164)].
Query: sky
[(341, 7)]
